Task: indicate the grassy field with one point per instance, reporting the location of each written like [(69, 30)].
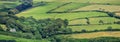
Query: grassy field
[(3, 37), (94, 27), (118, 14), (78, 21), (94, 35), (110, 8), (40, 13), (70, 7), (91, 1), (94, 20)]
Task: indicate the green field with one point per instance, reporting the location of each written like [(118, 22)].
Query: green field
[(94, 20), (77, 21), (40, 13), (94, 27), (110, 8), (70, 7), (4, 37), (94, 35)]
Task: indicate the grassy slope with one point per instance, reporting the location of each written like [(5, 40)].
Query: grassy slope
[(110, 8), (94, 27), (94, 35), (3, 37), (40, 13), (91, 1), (70, 6), (94, 20)]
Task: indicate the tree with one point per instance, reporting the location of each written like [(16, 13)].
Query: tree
[(83, 30), (66, 23), (88, 21), (101, 22), (109, 28)]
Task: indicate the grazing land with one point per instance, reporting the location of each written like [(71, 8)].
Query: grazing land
[(95, 35), (44, 20)]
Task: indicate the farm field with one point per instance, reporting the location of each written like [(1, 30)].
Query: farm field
[(94, 20), (94, 27), (40, 13), (70, 7), (95, 35), (4, 37), (44, 20), (94, 1), (110, 8)]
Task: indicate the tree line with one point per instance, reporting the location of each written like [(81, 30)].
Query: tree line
[(33, 28)]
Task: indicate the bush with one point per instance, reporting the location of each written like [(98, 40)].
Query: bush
[(7, 41), (109, 28), (83, 30)]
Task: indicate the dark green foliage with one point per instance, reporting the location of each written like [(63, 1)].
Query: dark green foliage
[(38, 28), (101, 22), (66, 23), (7, 41), (109, 28), (118, 22), (83, 30)]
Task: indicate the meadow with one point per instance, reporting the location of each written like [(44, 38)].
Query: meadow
[(94, 20), (94, 35), (6, 37), (109, 8), (77, 20), (70, 7), (40, 13), (94, 27)]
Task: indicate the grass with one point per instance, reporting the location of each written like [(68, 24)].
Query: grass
[(118, 14), (94, 20), (78, 21), (4, 37), (40, 13), (91, 1), (94, 27), (110, 8), (94, 35), (104, 19), (70, 6)]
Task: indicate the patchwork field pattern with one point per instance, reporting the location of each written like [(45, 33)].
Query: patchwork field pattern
[(109, 8)]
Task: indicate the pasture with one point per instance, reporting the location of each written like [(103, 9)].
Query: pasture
[(109, 8), (94, 35), (5, 37), (40, 13), (75, 18), (94, 27), (70, 7)]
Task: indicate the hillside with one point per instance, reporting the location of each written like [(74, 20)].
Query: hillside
[(59, 20)]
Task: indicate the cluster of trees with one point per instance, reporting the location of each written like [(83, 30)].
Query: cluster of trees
[(7, 41), (38, 28), (9, 0)]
